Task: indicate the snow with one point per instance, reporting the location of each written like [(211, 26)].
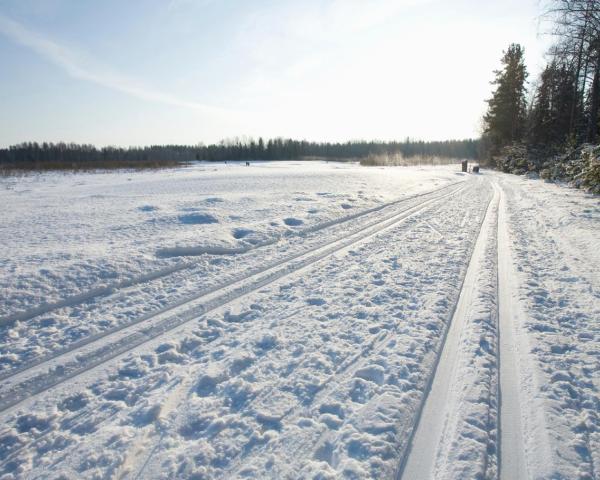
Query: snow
[(298, 320)]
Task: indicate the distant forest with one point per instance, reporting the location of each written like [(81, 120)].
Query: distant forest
[(46, 156)]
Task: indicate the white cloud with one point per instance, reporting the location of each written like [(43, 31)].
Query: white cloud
[(83, 67)]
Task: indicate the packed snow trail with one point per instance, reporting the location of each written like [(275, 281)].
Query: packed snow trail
[(429, 454), (515, 406), (491, 421), (551, 253), (296, 450), (318, 352), (152, 275)]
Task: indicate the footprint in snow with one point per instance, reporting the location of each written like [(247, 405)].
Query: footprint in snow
[(317, 302), (147, 208), (292, 222), (197, 219), (239, 233)]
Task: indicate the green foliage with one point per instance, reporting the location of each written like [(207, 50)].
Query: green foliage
[(513, 158), (587, 174), (565, 107), (580, 167)]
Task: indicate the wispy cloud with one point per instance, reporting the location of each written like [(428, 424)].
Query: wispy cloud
[(83, 67)]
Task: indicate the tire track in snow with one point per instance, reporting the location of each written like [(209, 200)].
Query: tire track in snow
[(420, 455), (85, 359)]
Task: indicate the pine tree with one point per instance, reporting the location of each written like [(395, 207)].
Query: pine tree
[(505, 118)]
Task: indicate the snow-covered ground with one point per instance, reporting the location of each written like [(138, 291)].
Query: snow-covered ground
[(298, 320)]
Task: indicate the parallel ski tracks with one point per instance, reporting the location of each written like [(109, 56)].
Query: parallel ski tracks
[(421, 449), (421, 453), (98, 350), (149, 276), (122, 285), (345, 370), (331, 384)]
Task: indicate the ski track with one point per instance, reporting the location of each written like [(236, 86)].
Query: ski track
[(188, 299), (77, 237), (142, 439), (153, 275), (291, 414), (20, 390), (429, 452), (552, 297), (465, 346), (513, 461)]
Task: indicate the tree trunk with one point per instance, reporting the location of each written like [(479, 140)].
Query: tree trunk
[(577, 76), (592, 130)]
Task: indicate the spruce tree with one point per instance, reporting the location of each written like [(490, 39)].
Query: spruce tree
[(553, 103), (505, 119)]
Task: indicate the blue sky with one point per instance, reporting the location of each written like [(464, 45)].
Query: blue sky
[(141, 72)]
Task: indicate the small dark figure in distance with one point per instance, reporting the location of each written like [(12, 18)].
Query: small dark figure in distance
[(247, 164), (475, 168)]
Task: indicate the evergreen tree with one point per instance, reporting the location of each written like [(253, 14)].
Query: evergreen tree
[(549, 122), (505, 118)]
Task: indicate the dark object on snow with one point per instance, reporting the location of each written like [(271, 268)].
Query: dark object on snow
[(247, 164), (475, 168), (465, 164)]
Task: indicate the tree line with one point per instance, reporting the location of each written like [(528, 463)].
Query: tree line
[(40, 156), (553, 128)]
